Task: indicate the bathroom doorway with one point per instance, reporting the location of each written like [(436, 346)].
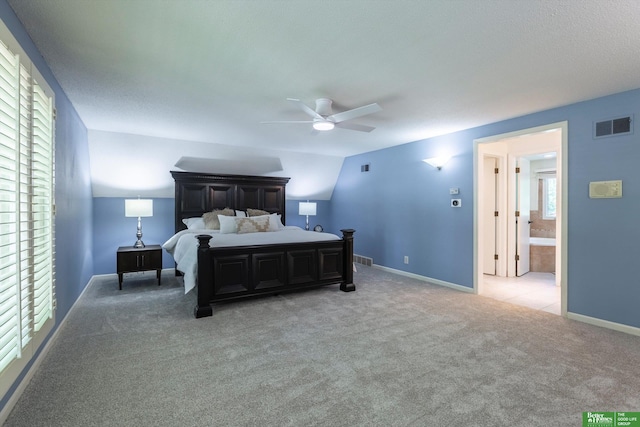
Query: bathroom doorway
[(519, 215)]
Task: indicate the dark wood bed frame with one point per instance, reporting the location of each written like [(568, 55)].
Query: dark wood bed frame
[(226, 274)]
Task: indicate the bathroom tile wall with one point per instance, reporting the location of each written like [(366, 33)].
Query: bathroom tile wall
[(541, 227)]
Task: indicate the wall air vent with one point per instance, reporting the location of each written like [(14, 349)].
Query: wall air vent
[(363, 260), (364, 168), (618, 126)]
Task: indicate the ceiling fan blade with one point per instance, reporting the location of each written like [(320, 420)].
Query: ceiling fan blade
[(356, 112), (355, 126), (305, 108), (286, 121)]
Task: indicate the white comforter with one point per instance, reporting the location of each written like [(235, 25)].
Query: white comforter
[(183, 246)]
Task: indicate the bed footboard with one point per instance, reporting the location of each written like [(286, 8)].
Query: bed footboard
[(241, 272)]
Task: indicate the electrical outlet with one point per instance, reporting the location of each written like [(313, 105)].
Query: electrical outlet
[(406, 259)]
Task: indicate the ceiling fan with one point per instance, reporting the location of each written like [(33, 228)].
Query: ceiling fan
[(324, 119)]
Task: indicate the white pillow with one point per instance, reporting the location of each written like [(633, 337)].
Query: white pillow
[(241, 214), (278, 221), (227, 224), (194, 223)]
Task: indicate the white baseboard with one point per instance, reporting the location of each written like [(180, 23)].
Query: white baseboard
[(425, 279), (632, 330), (4, 414)]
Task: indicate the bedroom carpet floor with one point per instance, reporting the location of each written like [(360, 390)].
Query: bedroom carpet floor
[(397, 352)]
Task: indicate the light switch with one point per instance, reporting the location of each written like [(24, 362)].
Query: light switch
[(454, 191)]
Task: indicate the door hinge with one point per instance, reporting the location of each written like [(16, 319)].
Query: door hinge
[(495, 213), (517, 257), (517, 170), (496, 170), (495, 257), (517, 213)]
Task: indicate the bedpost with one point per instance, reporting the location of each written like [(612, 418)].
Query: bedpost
[(347, 284), (203, 307)]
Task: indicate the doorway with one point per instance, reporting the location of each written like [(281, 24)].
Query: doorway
[(503, 228)]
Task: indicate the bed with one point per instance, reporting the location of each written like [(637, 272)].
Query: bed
[(223, 265)]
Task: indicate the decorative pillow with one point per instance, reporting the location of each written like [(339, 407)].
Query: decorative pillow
[(194, 223), (211, 218), (275, 222), (227, 224), (241, 214), (257, 212), (253, 225)]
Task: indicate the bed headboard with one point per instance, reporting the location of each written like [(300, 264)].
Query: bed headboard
[(198, 193)]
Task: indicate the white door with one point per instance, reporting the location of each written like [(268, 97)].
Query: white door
[(523, 215), (489, 213)]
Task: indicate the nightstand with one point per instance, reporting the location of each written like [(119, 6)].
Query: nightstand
[(130, 259)]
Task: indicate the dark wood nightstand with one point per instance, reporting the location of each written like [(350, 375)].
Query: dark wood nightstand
[(132, 259)]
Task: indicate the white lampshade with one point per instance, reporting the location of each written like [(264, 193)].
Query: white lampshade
[(138, 207), (307, 208)]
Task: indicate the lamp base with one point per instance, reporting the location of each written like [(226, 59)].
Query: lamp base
[(139, 243)]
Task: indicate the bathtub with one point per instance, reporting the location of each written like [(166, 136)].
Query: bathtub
[(542, 241), (542, 255)]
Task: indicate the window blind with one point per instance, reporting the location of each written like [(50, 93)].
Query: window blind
[(27, 242)]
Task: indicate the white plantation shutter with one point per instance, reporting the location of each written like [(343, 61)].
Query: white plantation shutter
[(10, 324), (41, 207), (25, 223), (27, 254)]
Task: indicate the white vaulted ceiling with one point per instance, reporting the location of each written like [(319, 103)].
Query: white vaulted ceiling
[(209, 71)]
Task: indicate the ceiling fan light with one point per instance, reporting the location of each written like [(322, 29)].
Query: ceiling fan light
[(323, 125)]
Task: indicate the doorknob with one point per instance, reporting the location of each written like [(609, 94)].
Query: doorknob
[(529, 222)]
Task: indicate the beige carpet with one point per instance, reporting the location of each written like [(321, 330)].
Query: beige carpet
[(397, 352)]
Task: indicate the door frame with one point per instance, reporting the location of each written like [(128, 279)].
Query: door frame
[(479, 151)]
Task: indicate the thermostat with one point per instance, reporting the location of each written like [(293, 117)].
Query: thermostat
[(456, 203)]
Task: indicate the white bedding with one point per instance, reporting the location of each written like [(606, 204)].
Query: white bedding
[(183, 246)]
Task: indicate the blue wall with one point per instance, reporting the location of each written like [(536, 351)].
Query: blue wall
[(112, 229), (74, 257), (401, 207)]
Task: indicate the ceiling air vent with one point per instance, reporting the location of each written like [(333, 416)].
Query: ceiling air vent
[(612, 127)]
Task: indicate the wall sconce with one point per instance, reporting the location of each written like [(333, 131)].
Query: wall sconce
[(307, 208), (139, 208), (437, 162)]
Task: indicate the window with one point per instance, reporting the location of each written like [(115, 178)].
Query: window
[(549, 197), (27, 254)]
